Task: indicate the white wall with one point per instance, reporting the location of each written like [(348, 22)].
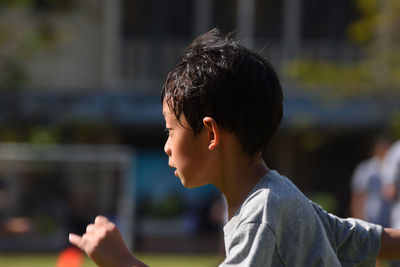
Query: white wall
[(78, 60)]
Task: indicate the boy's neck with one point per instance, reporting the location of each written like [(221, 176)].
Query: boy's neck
[(238, 184)]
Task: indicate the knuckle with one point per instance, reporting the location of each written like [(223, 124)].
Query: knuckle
[(102, 233), (111, 227), (89, 227), (100, 218)]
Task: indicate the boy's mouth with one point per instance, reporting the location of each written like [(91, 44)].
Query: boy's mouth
[(176, 171)]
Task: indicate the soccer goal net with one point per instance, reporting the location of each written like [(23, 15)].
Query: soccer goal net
[(48, 191)]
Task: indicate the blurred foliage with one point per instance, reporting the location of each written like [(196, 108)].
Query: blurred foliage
[(377, 69), (45, 135), (395, 124), (311, 140), (45, 225), (74, 133), (168, 207), (26, 27), (325, 200)]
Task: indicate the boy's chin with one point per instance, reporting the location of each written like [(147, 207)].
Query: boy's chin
[(187, 184)]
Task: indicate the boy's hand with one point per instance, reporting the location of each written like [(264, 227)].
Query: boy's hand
[(103, 243)]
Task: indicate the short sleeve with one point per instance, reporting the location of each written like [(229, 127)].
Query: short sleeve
[(252, 244), (356, 241)]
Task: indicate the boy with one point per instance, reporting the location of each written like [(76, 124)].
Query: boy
[(222, 104)]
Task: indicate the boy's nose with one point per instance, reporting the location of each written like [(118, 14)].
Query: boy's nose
[(167, 149)]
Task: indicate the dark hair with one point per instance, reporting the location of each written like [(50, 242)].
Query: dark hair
[(219, 78)]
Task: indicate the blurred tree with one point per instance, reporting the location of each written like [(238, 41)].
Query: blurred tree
[(26, 27), (375, 72)]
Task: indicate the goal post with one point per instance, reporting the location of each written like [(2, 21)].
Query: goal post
[(49, 179)]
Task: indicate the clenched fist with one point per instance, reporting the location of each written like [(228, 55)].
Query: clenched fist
[(103, 243)]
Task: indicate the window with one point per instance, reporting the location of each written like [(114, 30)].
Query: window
[(157, 18)]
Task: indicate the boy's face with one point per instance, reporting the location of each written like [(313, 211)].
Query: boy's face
[(188, 155)]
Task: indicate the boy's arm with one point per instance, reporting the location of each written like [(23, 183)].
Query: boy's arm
[(390, 244), (103, 243)]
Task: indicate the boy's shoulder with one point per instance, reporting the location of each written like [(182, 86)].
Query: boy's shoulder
[(274, 198), (276, 189)]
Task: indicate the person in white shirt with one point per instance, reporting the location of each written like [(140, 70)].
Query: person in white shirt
[(391, 179), (367, 199)]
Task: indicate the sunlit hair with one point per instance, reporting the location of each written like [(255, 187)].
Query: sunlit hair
[(220, 78)]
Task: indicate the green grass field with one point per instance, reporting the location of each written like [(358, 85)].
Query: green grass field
[(153, 260)]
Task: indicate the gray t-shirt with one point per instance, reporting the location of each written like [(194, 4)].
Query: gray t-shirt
[(278, 226)]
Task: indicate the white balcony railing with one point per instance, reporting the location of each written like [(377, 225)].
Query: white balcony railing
[(146, 61)]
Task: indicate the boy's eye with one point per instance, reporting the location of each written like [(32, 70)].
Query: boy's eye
[(167, 131)]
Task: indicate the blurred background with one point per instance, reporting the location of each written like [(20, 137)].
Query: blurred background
[(81, 130)]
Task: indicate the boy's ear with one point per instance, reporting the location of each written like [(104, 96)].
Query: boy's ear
[(213, 132)]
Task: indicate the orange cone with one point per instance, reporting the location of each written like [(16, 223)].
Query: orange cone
[(70, 257)]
